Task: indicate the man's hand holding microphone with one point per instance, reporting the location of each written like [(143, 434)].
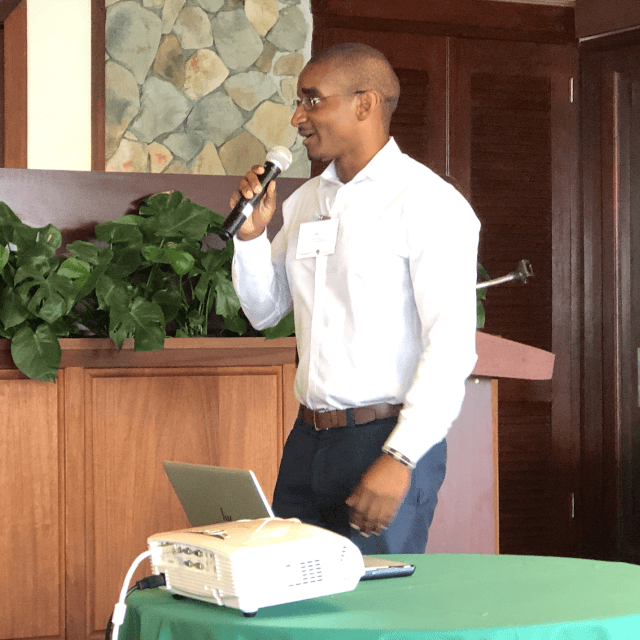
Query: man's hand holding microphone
[(254, 203)]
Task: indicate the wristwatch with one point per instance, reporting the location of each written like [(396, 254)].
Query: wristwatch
[(400, 457)]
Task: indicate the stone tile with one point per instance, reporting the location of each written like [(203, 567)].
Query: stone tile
[(108, 3), (249, 89), (212, 6), (193, 28), (241, 153), (122, 103), (264, 62), (169, 61), (291, 30), (289, 90), (262, 14), (289, 65), (170, 12), (215, 117), (130, 157), (271, 124), (204, 72), (208, 162), (132, 35), (177, 166), (236, 40), (159, 157), (152, 4), (164, 107), (184, 146)]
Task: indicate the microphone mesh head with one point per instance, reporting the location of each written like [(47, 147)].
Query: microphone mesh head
[(280, 156)]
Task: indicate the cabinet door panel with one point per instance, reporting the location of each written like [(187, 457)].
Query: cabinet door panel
[(132, 424), (29, 509)]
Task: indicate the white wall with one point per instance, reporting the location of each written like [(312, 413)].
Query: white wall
[(59, 84)]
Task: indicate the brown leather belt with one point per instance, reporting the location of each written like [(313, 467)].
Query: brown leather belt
[(322, 420)]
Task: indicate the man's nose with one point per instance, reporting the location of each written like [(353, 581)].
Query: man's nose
[(298, 116)]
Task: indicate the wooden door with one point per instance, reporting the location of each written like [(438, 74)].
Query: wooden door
[(502, 126), (514, 152), (611, 203)]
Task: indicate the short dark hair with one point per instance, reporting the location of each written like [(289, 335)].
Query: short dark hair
[(364, 68)]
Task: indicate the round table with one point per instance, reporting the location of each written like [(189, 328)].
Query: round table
[(449, 597)]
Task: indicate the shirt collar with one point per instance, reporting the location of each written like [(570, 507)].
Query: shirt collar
[(378, 166)]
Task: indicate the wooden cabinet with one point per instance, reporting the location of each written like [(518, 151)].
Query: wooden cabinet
[(83, 457)]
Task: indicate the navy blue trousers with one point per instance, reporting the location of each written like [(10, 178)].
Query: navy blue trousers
[(319, 469)]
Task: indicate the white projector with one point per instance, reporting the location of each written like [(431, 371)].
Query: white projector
[(248, 564)]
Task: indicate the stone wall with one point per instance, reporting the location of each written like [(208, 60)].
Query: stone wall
[(203, 86)]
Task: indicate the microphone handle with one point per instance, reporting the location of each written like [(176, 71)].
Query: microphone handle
[(244, 207)]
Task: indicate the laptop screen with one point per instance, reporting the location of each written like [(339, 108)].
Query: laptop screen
[(211, 494)]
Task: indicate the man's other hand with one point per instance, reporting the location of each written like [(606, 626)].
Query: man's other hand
[(377, 497)]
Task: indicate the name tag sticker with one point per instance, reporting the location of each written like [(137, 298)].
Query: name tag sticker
[(317, 238)]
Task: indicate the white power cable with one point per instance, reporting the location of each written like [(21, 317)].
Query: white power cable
[(120, 609)]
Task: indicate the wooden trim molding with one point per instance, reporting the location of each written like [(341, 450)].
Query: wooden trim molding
[(455, 18), (92, 353), (15, 87), (98, 16)]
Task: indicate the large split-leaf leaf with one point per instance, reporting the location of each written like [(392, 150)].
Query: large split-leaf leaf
[(37, 353)]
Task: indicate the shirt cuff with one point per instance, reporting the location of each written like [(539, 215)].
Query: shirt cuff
[(400, 457)]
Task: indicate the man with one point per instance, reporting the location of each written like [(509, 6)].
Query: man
[(377, 257)]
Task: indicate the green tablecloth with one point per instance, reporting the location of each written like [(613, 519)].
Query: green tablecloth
[(449, 597)]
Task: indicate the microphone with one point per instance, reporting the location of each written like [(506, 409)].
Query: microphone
[(278, 160)]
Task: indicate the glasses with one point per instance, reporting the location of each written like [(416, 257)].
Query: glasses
[(311, 102)]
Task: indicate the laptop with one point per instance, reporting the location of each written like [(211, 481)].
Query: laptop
[(211, 494)]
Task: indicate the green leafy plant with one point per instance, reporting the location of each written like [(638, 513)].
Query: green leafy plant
[(147, 276)]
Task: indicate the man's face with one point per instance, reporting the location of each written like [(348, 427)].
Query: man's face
[(328, 127)]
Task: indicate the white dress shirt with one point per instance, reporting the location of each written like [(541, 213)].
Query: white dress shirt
[(390, 315)]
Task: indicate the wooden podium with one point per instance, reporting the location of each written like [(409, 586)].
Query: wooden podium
[(466, 519)]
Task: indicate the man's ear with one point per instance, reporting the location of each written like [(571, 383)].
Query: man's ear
[(368, 103)]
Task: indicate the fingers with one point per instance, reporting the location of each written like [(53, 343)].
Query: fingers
[(377, 497), (249, 185), (369, 520)]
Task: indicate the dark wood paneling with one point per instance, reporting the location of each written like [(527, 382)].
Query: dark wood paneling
[(410, 123), (595, 17), (6, 7), (75, 201), (525, 472), (1, 95), (98, 16), (513, 151), (15, 87), (511, 194), (611, 202), (457, 18)]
